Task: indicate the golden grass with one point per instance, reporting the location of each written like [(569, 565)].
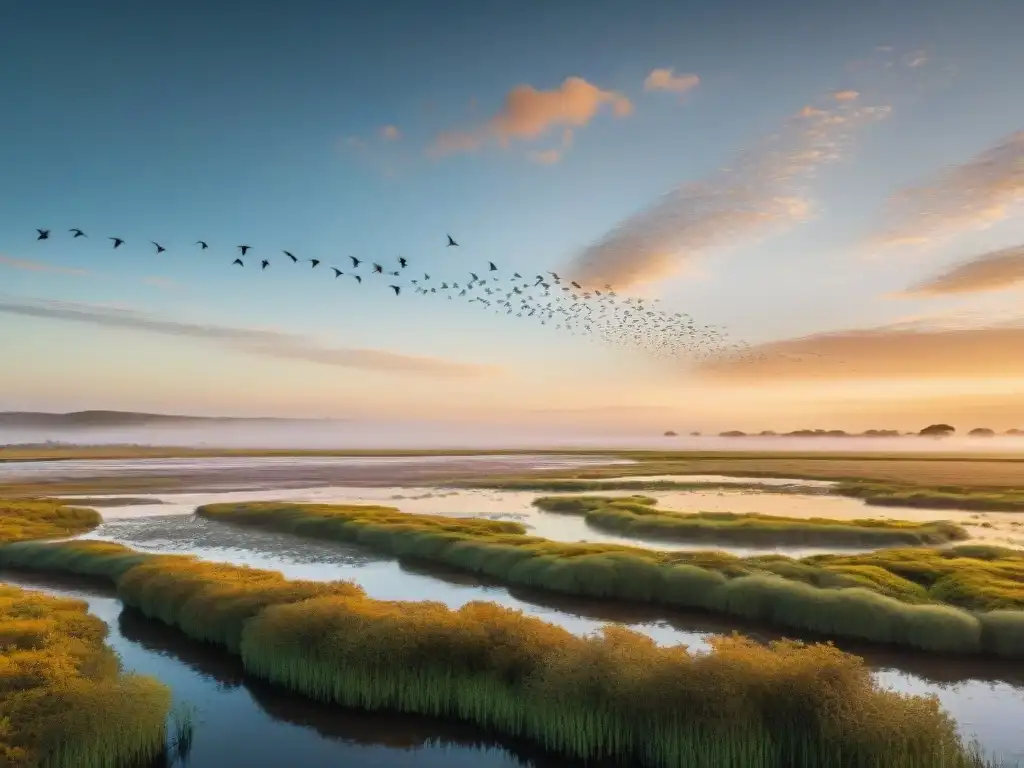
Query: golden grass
[(638, 516), (63, 698), (616, 696), (28, 519), (809, 595)]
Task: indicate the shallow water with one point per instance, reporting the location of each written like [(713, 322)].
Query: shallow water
[(986, 697), (243, 721)]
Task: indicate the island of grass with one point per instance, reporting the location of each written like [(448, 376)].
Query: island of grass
[(615, 696), (638, 516), (31, 519), (966, 599)]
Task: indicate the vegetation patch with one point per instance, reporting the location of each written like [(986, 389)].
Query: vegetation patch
[(30, 519), (638, 516), (64, 700), (615, 696), (936, 497), (810, 594)]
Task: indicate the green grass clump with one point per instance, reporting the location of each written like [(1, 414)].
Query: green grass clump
[(813, 594), (31, 519), (637, 516), (64, 700), (934, 497), (615, 696)]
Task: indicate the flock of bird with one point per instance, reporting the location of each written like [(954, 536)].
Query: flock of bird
[(546, 297)]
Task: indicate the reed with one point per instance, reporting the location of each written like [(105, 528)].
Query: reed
[(615, 696), (64, 700), (819, 594), (637, 516)]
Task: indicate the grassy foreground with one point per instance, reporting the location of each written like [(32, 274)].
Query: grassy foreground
[(847, 597), (615, 696), (638, 516), (63, 698), (31, 519)]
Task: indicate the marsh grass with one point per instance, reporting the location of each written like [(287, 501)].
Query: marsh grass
[(33, 519), (821, 594), (936, 497), (637, 516), (64, 700), (616, 695)]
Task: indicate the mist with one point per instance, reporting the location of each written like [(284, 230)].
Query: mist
[(360, 434)]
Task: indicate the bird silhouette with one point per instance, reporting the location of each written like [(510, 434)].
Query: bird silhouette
[(355, 262), (314, 262), (238, 262), (358, 278), (397, 289), (202, 245), (451, 242), (244, 248), (264, 264), (44, 234), (337, 272), (289, 254), (159, 248), (492, 267), (403, 262), (117, 241), (378, 269), (78, 233)]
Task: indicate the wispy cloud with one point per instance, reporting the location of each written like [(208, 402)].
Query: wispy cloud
[(945, 347), (255, 341), (667, 80), (962, 198), (994, 271), (528, 113), (766, 188), (554, 154), (40, 266), (390, 132)]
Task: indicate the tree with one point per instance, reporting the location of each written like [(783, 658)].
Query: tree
[(937, 430), (981, 432), (670, 433)]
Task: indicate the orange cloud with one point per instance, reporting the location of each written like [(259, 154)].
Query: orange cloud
[(889, 352), (40, 266), (764, 189), (390, 132), (845, 95), (993, 271), (528, 113), (666, 80), (970, 196)]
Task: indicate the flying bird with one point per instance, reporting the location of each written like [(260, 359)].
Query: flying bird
[(159, 248), (291, 256), (264, 264), (314, 262), (44, 234), (238, 262), (78, 233), (397, 289), (359, 279), (202, 245), (492, 268), (355, 262), (117, 241), (244, 248), (337, 272), (378, 269), (451, 242), (403, 262)]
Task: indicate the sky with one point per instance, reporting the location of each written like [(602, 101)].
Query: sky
[(837, 184)]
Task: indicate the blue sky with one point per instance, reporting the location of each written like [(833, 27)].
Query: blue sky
[(194, 121)]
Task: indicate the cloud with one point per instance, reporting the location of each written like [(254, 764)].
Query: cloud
[(555, 154), (390, 132), (914, 349), (962, 198), (255, 341), (666, 80), (993, 271), (845, 95), (528, 113), (765, 188), (40, 266)]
